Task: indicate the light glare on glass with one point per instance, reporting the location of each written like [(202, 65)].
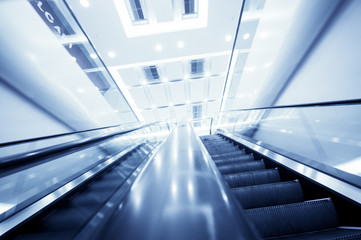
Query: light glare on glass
[(246, 36), (180, 44), (228, 38), (158, 47), (84, 3), (93, 56), (111, 54)]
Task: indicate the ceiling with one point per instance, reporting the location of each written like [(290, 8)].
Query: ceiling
[(169, 42)]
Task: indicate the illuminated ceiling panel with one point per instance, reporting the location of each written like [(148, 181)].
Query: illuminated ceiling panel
[(164, 114), (158, 95), (197, 90), (216, 85), (174, 70), (219, 64), (129, 76), (181, 113), (212, 108), (149, 115), (177, 91), (139, 97)]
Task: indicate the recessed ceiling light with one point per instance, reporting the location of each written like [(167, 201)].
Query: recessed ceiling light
[(73, 58), (158, 47), (93, 56), (170, 104), (165, 79), (205, 100), (186, 77), (188, 102), (180, 44), (153, 106), (116, 111), (84, 3), (144, 83), (246, 36), (207, 74), (81, 90), (111, 54), (228, 38)]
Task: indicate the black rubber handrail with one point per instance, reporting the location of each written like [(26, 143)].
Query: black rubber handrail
[(54, 136), (317, 104), (36, 155)]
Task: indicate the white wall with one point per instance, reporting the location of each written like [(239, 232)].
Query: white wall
[(20, 119), (332, 70)]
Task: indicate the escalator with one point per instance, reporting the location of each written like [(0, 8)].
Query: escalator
[(70, 215), (275, 205)]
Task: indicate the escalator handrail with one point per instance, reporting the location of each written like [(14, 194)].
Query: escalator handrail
[(35, 155), (317, 104), (6, 144)]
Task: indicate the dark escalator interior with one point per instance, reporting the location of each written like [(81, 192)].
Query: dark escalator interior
[(66, 218), (275, 203)]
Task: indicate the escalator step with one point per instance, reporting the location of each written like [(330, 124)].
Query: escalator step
[(244, 166), (222, 150), (294, 218), (218, 156), (269, 194), (252, 178), (232, 156), (230, 160)]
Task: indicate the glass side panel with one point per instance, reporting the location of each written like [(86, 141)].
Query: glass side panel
[(59, 19), (26, 147), (21, 187), (321, 136), (264, 27)]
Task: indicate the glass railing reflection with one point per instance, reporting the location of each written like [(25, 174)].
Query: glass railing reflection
[(57, 16), (22, 186), (328, 135)]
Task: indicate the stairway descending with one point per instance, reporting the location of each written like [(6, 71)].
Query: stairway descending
[(70, 215), (277, 208)]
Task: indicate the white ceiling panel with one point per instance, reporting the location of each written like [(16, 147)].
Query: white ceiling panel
[(216, 85), (164, 114), (174, 70), (197, 90), (181, 113), (129, 76), (139, 97), (148, 116), (212, 108), (219, 64), (177, 91), (158, 95)]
